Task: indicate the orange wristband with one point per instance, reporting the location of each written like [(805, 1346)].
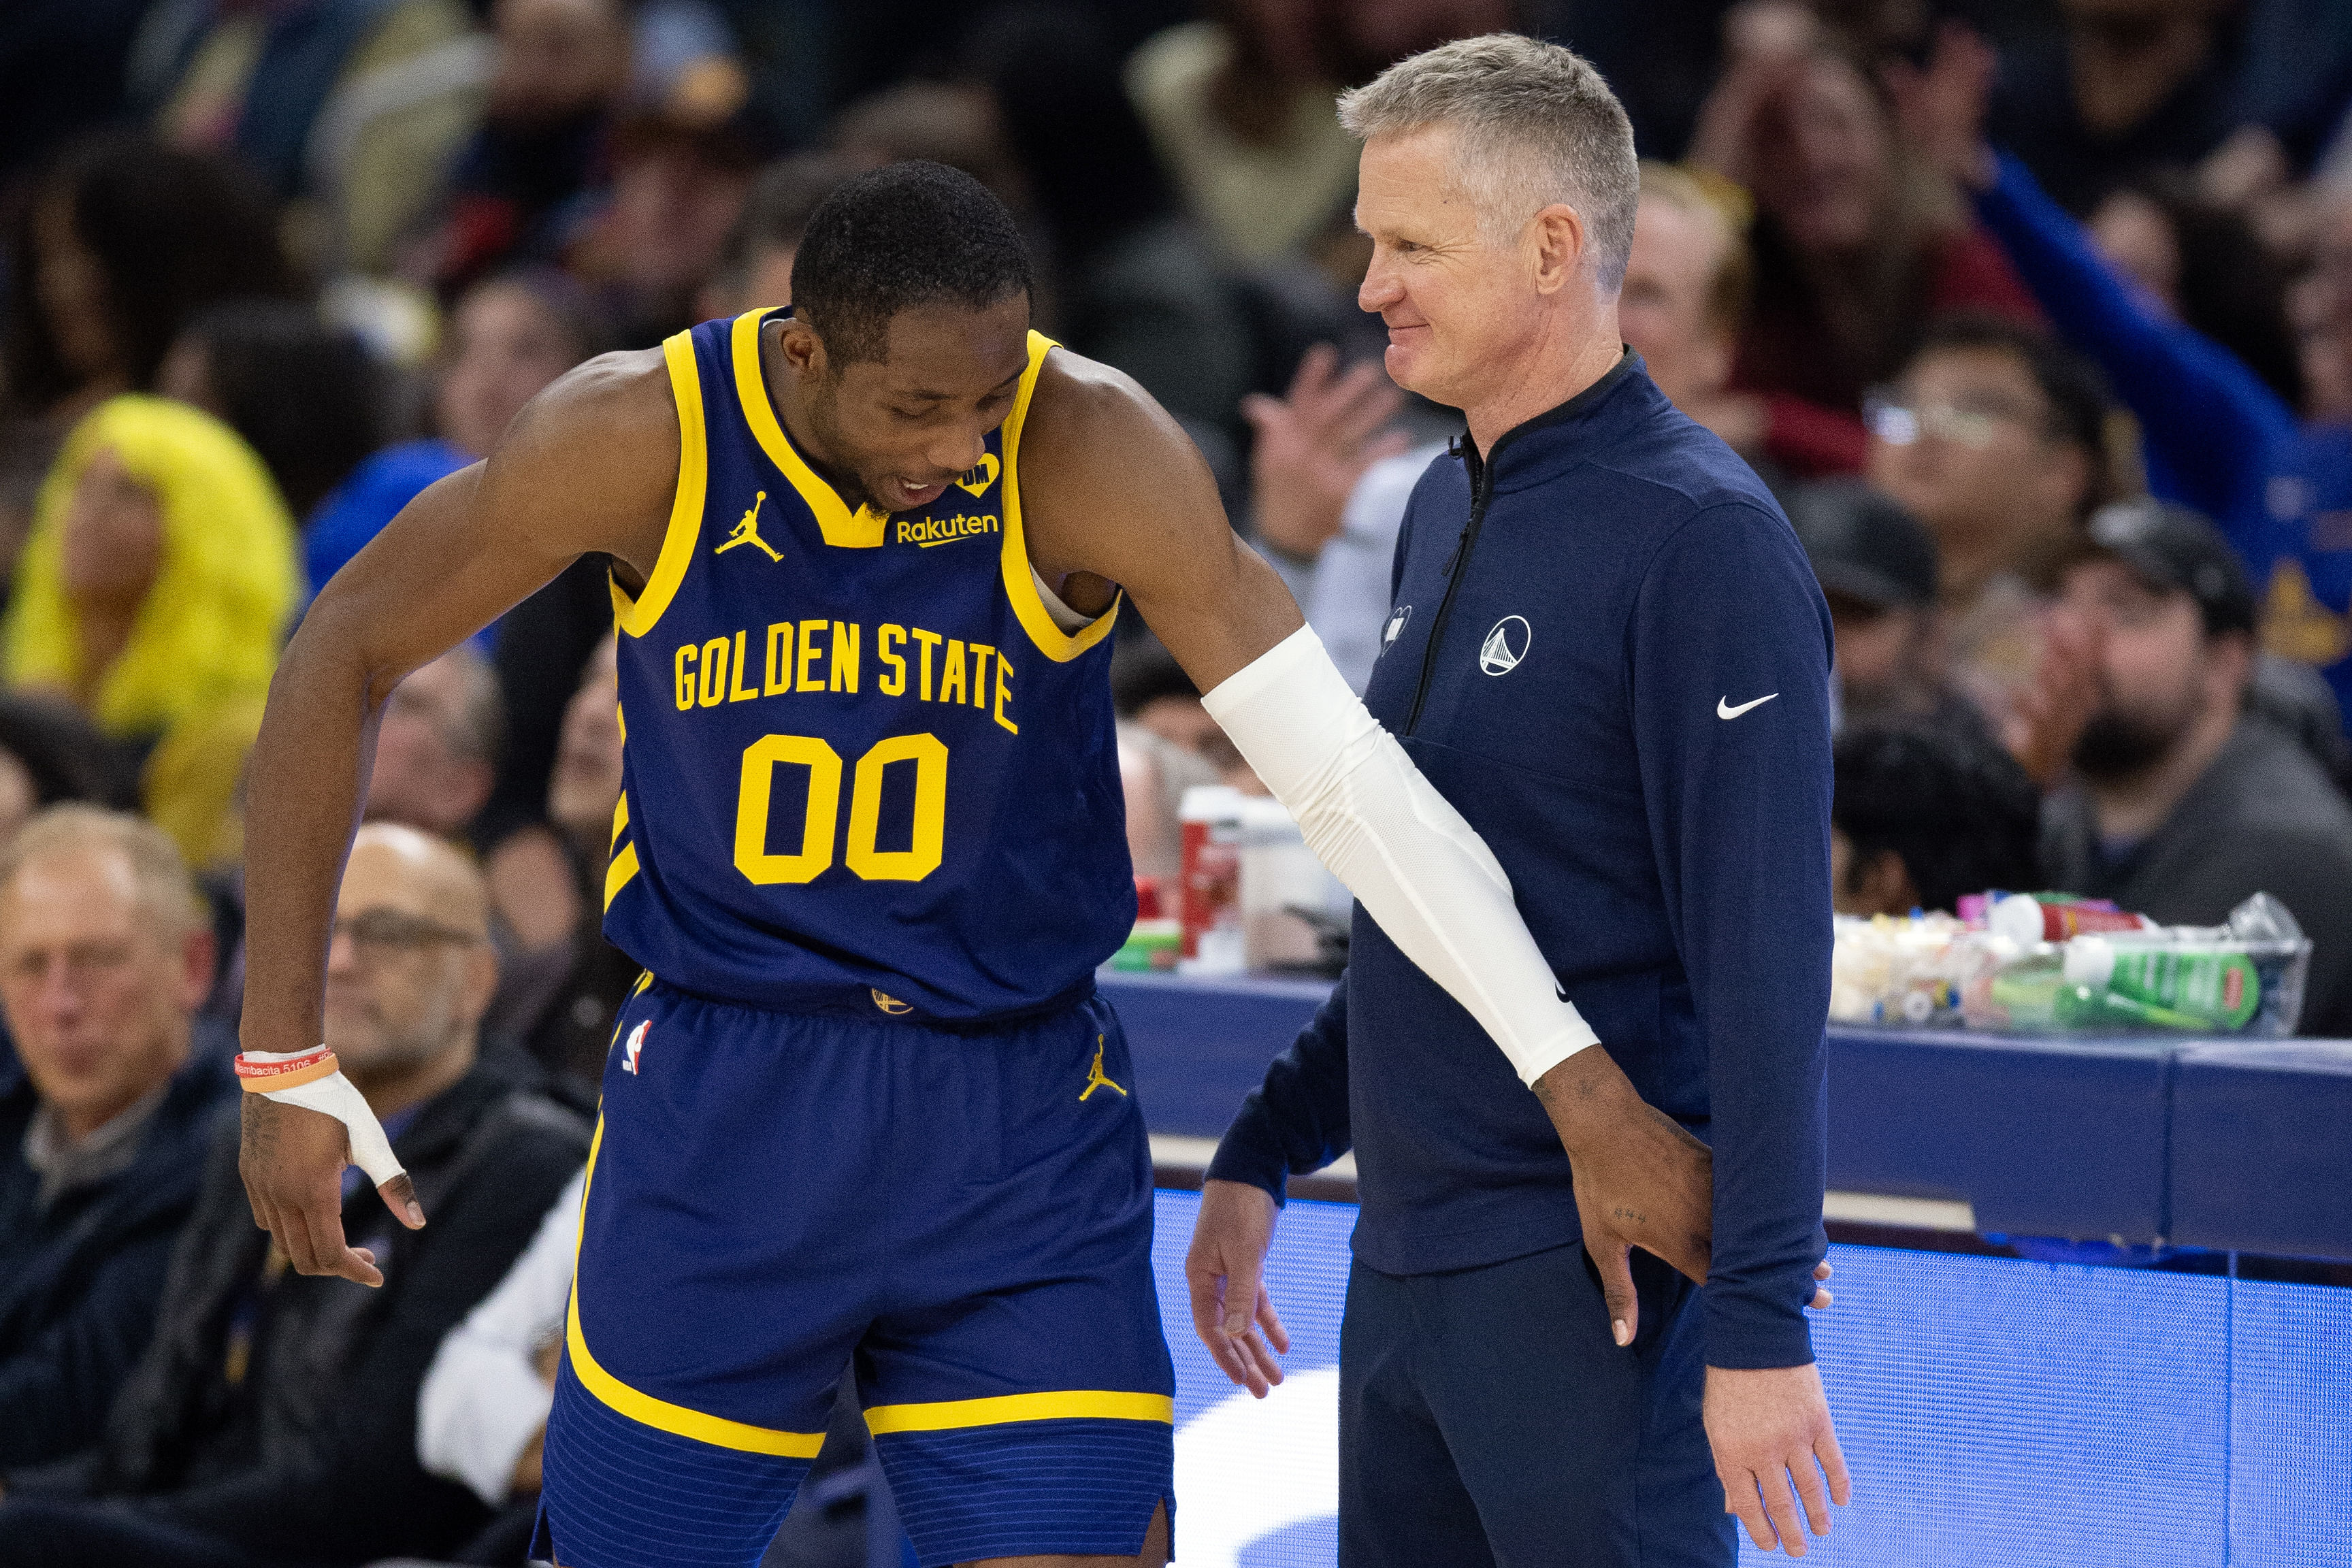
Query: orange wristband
[(261, 1077)]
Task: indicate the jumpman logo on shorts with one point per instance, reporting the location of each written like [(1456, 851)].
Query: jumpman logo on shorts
[(1095, 1078), (748, 532)]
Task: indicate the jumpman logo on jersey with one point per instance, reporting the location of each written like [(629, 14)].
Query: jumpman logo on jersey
[(1095, 1077), (748, 532)]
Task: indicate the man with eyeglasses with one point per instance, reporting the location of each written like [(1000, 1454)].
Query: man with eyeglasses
[(274, 1413), (1994, 437), (105, 953)]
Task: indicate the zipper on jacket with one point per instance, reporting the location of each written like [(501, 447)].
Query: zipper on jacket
[(1458, 566)]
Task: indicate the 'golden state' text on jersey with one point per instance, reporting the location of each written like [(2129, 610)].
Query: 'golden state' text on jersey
[(863, 766)]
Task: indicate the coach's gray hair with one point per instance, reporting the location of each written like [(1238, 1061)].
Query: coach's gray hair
[(1533, 124)]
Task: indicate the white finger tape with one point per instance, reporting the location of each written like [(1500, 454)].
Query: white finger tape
[(336, 1096)]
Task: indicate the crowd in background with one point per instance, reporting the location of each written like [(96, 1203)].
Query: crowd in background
[(2037, 315)]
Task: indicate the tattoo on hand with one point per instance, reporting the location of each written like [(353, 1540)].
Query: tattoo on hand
[(1634, 1214)]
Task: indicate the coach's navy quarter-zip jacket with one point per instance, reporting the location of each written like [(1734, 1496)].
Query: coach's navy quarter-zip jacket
[(1606, 648)]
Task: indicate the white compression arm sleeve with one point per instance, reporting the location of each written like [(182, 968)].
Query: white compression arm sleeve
[(338, 1097), (1400, 846)]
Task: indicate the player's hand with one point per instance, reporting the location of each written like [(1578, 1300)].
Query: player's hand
[(1640, 1180), (1822, 1299), (1226, 1271), (292, 1159), (1770, 1429), (1308, 447)]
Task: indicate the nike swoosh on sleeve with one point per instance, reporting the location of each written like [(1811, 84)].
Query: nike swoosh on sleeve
[(1723, 710)]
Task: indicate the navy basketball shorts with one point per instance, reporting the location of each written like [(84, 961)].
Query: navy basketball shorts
[(963, 1215)]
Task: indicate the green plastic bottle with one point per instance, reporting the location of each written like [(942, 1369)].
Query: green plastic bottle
[(2114, 985)]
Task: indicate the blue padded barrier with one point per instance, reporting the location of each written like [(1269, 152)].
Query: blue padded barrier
[(2243, 1145), (2261, 1147)]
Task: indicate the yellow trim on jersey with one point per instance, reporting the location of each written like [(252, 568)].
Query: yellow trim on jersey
[(620, 818), (636, 618), (1020, 586), (1077, 1404), (620, 873), (863, 530), (660, 1414)]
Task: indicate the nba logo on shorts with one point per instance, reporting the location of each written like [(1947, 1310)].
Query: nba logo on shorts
[(1397, 618), (635, 1043)]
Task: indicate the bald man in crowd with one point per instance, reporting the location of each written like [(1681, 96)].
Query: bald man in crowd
[(274, 1414)]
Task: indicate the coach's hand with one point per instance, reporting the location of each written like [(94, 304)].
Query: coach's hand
[(292, 1159), (1226, 1272), (1640, 1180), (1769, 1428)]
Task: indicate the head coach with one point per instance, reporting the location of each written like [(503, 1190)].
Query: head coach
[(1607, 651)]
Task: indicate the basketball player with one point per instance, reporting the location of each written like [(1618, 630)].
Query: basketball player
[(866, 555)]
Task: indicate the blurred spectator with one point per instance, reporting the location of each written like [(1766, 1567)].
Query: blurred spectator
[(560, 73), (1239, 106), (563, 981), (755, 269), (1876, 566), (1685, 300), (2217, 440), (481, 1416), (436, 748), (676, 191), (1167, 745), (1310, 447), (152, 595), (510, 335), (273, 1417), (116, 248), (2134, 84), (105, 951), (1922, 816), (251, 78), (50, 753), (567, 79), (1856, 252), (1994, 437), (2184, 806), (1151, 691), (62, 72), (949, 122), (1138, 285), (303, 393), (2205, 266), (2321, 307)]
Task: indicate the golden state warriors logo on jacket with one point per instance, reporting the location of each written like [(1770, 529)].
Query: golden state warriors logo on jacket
[(865, 771)]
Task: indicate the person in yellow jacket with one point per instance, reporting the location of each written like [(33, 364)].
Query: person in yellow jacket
[(154, 593)]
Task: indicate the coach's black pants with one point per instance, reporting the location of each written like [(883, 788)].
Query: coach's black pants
[(1487, 1417)]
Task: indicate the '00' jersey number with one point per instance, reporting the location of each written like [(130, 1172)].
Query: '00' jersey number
[(860, 854)]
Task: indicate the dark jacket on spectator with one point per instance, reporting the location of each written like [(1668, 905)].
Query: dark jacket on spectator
[(2263, 818), (278, 1412), (80, 1275)]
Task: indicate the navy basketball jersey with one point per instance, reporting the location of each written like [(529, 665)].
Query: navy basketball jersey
[(863, 767)]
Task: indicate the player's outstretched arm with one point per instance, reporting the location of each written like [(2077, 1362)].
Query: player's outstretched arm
[(1112, 490), (588, 466)]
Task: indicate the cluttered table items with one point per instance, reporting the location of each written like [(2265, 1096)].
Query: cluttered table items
[(2230, 1144), (2038, 1065)]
